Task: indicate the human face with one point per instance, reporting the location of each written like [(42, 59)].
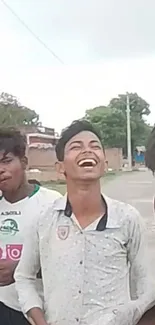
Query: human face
[(11, 171), (84, 158)]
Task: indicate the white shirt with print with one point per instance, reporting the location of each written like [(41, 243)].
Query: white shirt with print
[(98, 276), (14, 219)]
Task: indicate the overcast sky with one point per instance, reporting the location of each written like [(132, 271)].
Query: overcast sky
[(107, 46)]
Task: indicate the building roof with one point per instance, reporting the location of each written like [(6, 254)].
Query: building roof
[(39, 145), (141, 148)]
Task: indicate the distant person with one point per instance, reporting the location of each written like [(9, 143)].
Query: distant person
[(150, 154), (20, 203), (91, 248), (149, 317)]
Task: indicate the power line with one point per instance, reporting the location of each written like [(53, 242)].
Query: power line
[(31, 32)]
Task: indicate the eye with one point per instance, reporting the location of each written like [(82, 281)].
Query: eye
[(7, 161), (75, 147), (96, 146)]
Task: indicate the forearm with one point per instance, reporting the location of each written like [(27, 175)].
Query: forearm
[(142, 285), (26, 274), (36, 317), (28, 294), (7, 269)]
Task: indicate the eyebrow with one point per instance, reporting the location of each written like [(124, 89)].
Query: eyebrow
[(76, 141), (5, 156), (94, 141), (80, 142)]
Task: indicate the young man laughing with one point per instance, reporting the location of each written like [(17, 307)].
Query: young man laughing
[(20, 202), (90, 248)]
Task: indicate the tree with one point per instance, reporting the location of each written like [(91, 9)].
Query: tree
[(111, 121), (137, 104), (12, 113), (139, 109)]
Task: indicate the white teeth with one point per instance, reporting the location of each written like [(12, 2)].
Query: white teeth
[(87, 161)]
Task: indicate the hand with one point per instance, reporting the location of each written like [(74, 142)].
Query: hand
[(36, 316), (7, 269)]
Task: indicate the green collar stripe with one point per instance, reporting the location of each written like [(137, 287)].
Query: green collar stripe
[(36, 189)]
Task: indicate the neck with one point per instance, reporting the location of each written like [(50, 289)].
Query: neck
[(24, 190), (86, 202)]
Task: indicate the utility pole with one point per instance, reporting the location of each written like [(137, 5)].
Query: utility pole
[(128, 132)]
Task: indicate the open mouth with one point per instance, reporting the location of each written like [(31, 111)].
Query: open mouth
[(87, 163)]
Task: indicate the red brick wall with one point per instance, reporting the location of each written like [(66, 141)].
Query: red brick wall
[(42, 159), (114, 157)]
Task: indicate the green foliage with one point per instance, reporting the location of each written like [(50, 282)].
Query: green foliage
[(138, 106), (12, 113), (111, 121)]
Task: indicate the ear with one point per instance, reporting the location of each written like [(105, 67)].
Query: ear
[(106, 166), (59, 166), (24, 162)]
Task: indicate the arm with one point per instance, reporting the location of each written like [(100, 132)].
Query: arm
[(141, 271), (7, 269), (142, 288), (36, 317), (25, 277)]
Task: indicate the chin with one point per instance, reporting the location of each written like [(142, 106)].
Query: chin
[(5, 187), (90, 177)]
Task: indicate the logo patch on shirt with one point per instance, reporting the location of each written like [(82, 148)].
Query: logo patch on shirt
[(11, 252), (9, 227), (63, 232)]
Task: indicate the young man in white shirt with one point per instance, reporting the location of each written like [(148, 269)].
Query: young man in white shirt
[(20, 202), (91, 249)]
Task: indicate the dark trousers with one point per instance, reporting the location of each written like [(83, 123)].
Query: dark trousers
[(10, 316)]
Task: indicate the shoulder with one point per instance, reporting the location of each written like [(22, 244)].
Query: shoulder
[(48, 195), (50, 216), (121, 206), (43, 202), (123, 212)]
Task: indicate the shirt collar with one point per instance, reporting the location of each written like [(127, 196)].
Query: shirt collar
[(62, 205)]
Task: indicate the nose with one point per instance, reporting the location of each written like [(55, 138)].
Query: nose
[(86, 147), (2, 170), (86, 150)]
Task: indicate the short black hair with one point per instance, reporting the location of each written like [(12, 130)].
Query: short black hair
[(68, 133), (150, 152), (12, 140)]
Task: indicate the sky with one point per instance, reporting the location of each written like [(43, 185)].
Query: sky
[(107, 48)]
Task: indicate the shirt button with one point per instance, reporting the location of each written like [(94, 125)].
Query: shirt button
[(77, 319), (81, 262), (79, 291)]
